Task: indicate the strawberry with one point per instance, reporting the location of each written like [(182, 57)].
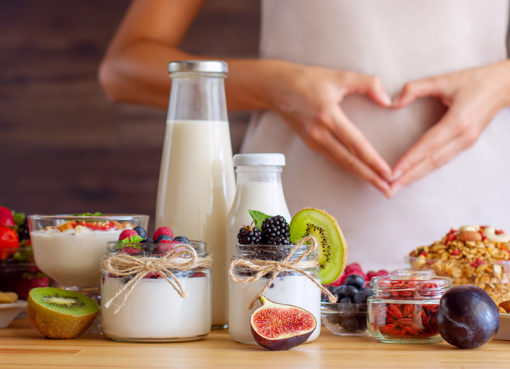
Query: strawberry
[(163, 230), (6, 218), (9, 242)]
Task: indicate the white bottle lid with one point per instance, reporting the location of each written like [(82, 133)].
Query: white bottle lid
[(259, 159)]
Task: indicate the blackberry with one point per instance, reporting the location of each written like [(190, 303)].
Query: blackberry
[(278, 240), (275, 231), (249, 236), (23, 231)]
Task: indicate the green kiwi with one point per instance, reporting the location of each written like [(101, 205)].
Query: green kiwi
[(332, 245), (59, 313)]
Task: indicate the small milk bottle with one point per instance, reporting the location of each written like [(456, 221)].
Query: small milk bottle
[(196, 182), (259, 187)]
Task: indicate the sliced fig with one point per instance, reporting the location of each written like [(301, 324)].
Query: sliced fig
[(281, 327)]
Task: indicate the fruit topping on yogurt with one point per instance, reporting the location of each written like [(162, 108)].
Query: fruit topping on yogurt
[(135, 241), (274, 230)]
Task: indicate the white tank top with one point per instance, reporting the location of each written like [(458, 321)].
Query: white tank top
[(399, 41)]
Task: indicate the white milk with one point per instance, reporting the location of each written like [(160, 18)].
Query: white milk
[(195, 192), (289, 289), (72, 258), (155, 311)]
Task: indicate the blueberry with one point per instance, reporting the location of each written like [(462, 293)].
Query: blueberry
[(351, 291), (349, 324), (360, 298), (362, 322), (355, 281), (163, 237), (141, 232), (182, 239), (149, 247), (340, 291), (345, 300)]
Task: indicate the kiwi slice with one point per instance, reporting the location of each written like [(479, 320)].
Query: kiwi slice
[(332, 245), (59, 313)]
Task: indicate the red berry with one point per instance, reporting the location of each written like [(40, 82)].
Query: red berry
[(352, 268), (163, 230), (371, 274), (130, 250), (165, 246), (126, 233), (152, 275), (382, 272), (338, 281), (6, 218), (9, 242)]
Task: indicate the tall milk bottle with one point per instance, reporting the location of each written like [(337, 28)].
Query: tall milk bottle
[(259, 187), (196, 181)]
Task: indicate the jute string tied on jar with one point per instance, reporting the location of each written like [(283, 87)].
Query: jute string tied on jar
[(261, 268), (181, 258)]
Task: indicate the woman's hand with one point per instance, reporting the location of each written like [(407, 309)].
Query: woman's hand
[(473, 98), (308, 98)]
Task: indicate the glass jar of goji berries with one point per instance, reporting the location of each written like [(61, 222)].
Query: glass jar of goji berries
[(403, 307)]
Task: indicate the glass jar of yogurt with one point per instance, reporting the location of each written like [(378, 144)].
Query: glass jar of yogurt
[(289, 287), (155, 310)]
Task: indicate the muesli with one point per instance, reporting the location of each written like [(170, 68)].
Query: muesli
[(478, 255)]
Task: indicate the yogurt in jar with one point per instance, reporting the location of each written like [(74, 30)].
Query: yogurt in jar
[(154, 311), (292, 289)]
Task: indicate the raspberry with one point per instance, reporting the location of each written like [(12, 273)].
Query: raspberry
[(126, 233), (275, 231), (352, 268), (163, 230), (249, 236)]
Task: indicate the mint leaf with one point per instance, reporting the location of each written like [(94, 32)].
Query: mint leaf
[(89, 214), (19, 218), (258, 217)]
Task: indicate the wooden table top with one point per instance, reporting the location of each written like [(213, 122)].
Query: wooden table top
[(21, 346)]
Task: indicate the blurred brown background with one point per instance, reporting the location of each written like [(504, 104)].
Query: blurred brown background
[(63, 146)]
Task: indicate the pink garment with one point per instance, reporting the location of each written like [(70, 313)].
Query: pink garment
[(399, 41)]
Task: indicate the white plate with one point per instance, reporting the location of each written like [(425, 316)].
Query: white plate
[(10, 311), (504, 327)]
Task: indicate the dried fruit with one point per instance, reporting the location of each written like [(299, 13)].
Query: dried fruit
[(281, 327)]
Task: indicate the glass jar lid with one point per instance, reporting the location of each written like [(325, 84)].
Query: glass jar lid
[(259, 159)]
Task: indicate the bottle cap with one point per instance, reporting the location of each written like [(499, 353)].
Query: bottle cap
[(198, 66), (259, 160)]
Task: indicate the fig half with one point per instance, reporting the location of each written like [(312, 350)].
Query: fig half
[(281, 327)]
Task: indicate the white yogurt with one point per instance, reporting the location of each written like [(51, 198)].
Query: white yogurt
[(154, 311), (290, 289), (72, 257)]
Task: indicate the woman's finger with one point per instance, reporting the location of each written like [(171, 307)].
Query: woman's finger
[(416, 89), (434, 139), (368, 85), (434, 160)]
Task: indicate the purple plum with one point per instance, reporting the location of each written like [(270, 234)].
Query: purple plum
[(467, 316)]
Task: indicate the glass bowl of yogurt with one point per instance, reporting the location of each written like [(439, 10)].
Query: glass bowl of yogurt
[(68, 248)]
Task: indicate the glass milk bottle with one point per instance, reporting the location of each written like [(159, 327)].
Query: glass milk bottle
[(259, 187), (196, 182)]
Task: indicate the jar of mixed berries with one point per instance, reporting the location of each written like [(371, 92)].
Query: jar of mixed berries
[(403, 308)]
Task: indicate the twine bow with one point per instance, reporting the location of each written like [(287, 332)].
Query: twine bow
[(183, 257), (265, 267)]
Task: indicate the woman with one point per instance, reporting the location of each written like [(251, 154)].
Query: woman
[(323, 86)]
